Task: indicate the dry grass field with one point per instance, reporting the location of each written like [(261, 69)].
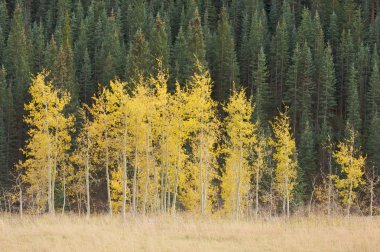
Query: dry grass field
[(101, 233)]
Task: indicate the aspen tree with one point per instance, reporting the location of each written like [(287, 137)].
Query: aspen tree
[(241, 134), (285, 158), (138, 129), (120, 110), (48, 137), (177, 139), (352, 165), (260, 155), (82, 157), (203, 127), (102, 128)]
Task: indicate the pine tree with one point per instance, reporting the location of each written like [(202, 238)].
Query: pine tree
[(327, 89), (4, 172), (300, 87), (261, 95), (136, 15), (279, 61), (226, 66), (353, 104), (345, 59), (373, 142), (241, 135), (195, 43), (181, 70), (307, 161), (17, 61), (160, 43), (373, 94), (139, 58), (3, 29), (17, 54)]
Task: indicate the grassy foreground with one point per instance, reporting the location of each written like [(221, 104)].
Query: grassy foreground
[(180, 233)]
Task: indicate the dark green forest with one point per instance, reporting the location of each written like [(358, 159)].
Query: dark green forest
[(320, 58)]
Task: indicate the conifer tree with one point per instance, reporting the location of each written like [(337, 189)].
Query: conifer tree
[(373, 93), (353, 104), (373, 142), (160, 43), (226, 66), (139, 60), (17, 63), (261, 95), (181, 70), (307, 168), (195, 43), (327, 88), (300, 86), (4, 172), (286, 159), (279, 61)]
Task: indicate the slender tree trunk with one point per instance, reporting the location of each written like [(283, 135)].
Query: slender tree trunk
[(124, 182), (88, 209), (349, 200), (257, 192), (287, 196), (134, 194), (49, 166), (330, 187), (238, 183), (371, 199), (176, 179), (200, 175), (108, 175), (64, 195), (21, 200), (147, 175)]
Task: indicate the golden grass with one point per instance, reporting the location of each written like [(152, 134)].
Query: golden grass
[(180, 233)]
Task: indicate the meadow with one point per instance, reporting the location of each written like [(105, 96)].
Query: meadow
[(186, 233)]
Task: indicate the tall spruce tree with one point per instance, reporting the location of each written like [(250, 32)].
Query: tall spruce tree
[(261, 94), (353, 104), (139, 60), (226, 71)]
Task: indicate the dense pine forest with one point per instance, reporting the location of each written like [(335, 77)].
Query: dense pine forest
[(237, 107)]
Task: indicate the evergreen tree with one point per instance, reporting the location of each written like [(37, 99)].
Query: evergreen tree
[(38, 39), (373, 94), (261, 94), (160, 43), (226, 67), (345, 59), (139, 60), (300, 87), (327, 89), (373, 142), (353, 104), (279, 61), (4, 172), (181, 69), (307, 160), (195, 43), (17, 63)]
